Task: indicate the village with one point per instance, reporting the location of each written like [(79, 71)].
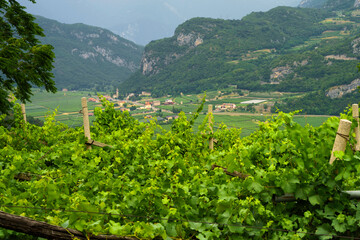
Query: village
[(167, 108)]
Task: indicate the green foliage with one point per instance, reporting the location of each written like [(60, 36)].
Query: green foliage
[(23, 61), (318, 103), (154, 183), (328, 4), (339, 4), (176, 110)]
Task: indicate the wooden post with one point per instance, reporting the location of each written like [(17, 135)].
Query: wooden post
[(86, 120), (23, 111), (341, 139), (211, 141), (45, 230), (355, 109)]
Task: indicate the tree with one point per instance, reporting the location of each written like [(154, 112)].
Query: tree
[(176, 110), (24, 62)]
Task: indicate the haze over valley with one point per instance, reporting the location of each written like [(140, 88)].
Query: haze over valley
[(142, 21)]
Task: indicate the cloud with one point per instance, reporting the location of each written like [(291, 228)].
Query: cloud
[(174, 10)]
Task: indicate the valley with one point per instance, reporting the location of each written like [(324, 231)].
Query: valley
[(312, 50), (245, 115)]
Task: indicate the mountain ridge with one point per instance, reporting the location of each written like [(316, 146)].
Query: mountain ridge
[(202, 41), (329, 4), (313, 51), (89, 57)]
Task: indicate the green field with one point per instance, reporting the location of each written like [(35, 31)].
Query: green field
[(68, 105), (248, 123)]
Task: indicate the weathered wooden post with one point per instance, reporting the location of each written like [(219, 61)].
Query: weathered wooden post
[(211, 141), (342, 136), (86, 120), (23, 111), (355, 110)]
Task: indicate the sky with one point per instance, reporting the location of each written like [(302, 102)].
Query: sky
[(145, 20)]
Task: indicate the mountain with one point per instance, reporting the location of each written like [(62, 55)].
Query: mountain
[(89, 57), (313, 51), (207, 54)]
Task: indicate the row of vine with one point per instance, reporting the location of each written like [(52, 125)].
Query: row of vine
[(161, 184)]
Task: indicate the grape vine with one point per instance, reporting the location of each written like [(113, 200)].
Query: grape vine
[(162, 184)]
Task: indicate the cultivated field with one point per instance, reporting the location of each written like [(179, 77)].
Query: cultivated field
[(68, 105)]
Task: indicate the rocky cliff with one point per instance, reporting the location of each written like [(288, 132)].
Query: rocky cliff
[(340, 91), (182, 43), (357, 3), (312, 3)]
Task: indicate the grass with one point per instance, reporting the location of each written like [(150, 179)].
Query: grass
[(249, 124), (187, 99), (68, 105), (314, 121)]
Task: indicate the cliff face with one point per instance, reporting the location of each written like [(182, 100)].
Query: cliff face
[(357, 3), (340, 91), (179, 45), (102, 51), (312, 3)]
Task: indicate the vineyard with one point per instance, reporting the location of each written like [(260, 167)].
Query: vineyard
[(149, 183)]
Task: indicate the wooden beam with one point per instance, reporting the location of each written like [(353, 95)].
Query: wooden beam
[(45, 230), (95, 143), (234, 174)]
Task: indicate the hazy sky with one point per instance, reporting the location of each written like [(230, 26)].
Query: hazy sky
[(133, 17)]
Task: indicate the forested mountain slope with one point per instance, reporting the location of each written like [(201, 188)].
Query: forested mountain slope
[(209, 54), (329, 4), (285, 49), (89, 57)]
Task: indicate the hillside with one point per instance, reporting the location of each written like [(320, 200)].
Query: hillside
[(329, 4), (206, 54), (89, 57), (285, 49)]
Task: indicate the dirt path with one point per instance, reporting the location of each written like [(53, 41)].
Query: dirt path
[(241, 114), (263, 114)]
